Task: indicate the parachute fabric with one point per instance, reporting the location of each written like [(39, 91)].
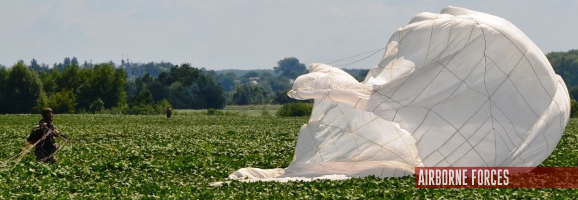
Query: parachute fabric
[(460, 88)]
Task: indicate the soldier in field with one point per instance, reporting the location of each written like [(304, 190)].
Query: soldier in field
[(43, 136), (169, 112)]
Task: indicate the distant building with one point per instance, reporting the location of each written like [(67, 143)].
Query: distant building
[(254, 80)]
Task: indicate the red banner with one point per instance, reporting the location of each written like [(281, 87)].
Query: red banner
[(496, 177)]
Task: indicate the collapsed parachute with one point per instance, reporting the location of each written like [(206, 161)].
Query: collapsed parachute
[(460, 88)]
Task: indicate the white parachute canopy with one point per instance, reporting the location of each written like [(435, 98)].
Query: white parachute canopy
[(460, 88)]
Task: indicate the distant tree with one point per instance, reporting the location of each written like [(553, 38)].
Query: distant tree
[(50, 81), (227, 81), (72, 78), (61, 66), (141, 104), (282, 98), (251, 74), (191, 88), (250, 94), (3, 89), (265, 74), (86, 64), (186, 74), (278, 83), (242, 95), (135, 70), (131, 89), (63, 101), (360, 76), (181, 96), (104, 82), (34, 64), (163, 78), (290, 68), (565, 64), (22, 90), (41, 102), (97, 106), (295, 109), (64, 88), (146, 79), (66, 62), (144, 98), (573, 108), (573, 92), (74, 61), (38, 68), (158, 90), (213, 94), (109, 82)]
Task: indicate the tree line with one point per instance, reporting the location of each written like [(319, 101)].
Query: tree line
[(136, 88), (25, 90), (71, 87), (565, 64)]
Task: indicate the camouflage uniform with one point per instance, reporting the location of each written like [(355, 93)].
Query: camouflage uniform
[(169, 112), (45, 147)]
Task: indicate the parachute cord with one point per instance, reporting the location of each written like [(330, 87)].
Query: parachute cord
[(372, 52), (65, 143), (22, 153), (25, 151)]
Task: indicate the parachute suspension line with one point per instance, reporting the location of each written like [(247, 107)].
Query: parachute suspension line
[(64, 144), (18, 157), (371, 53)]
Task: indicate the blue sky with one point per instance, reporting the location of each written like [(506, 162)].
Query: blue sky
[(244, 34)]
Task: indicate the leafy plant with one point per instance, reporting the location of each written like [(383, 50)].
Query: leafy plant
[(151, 157), (295, 109)]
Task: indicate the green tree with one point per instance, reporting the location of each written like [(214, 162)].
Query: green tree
[(70, 83), (3, 78), (192, 88), (158, 90), (161, 106), (120, 79), (278, 83), (97, 106), (50, 81), (250, 94), (131, 89), (185, 74), (573, 92), (144, 98), (104, 82), (213, 94), (23, 90), (295, 109), (227, 81), (42, 102), (290, 68), (573, 108), (282, 98), (72, 78), (180, 95), (565, 64), (63, 101), (141, 104)]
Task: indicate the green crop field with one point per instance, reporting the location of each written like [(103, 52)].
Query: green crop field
[(151, 157)]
